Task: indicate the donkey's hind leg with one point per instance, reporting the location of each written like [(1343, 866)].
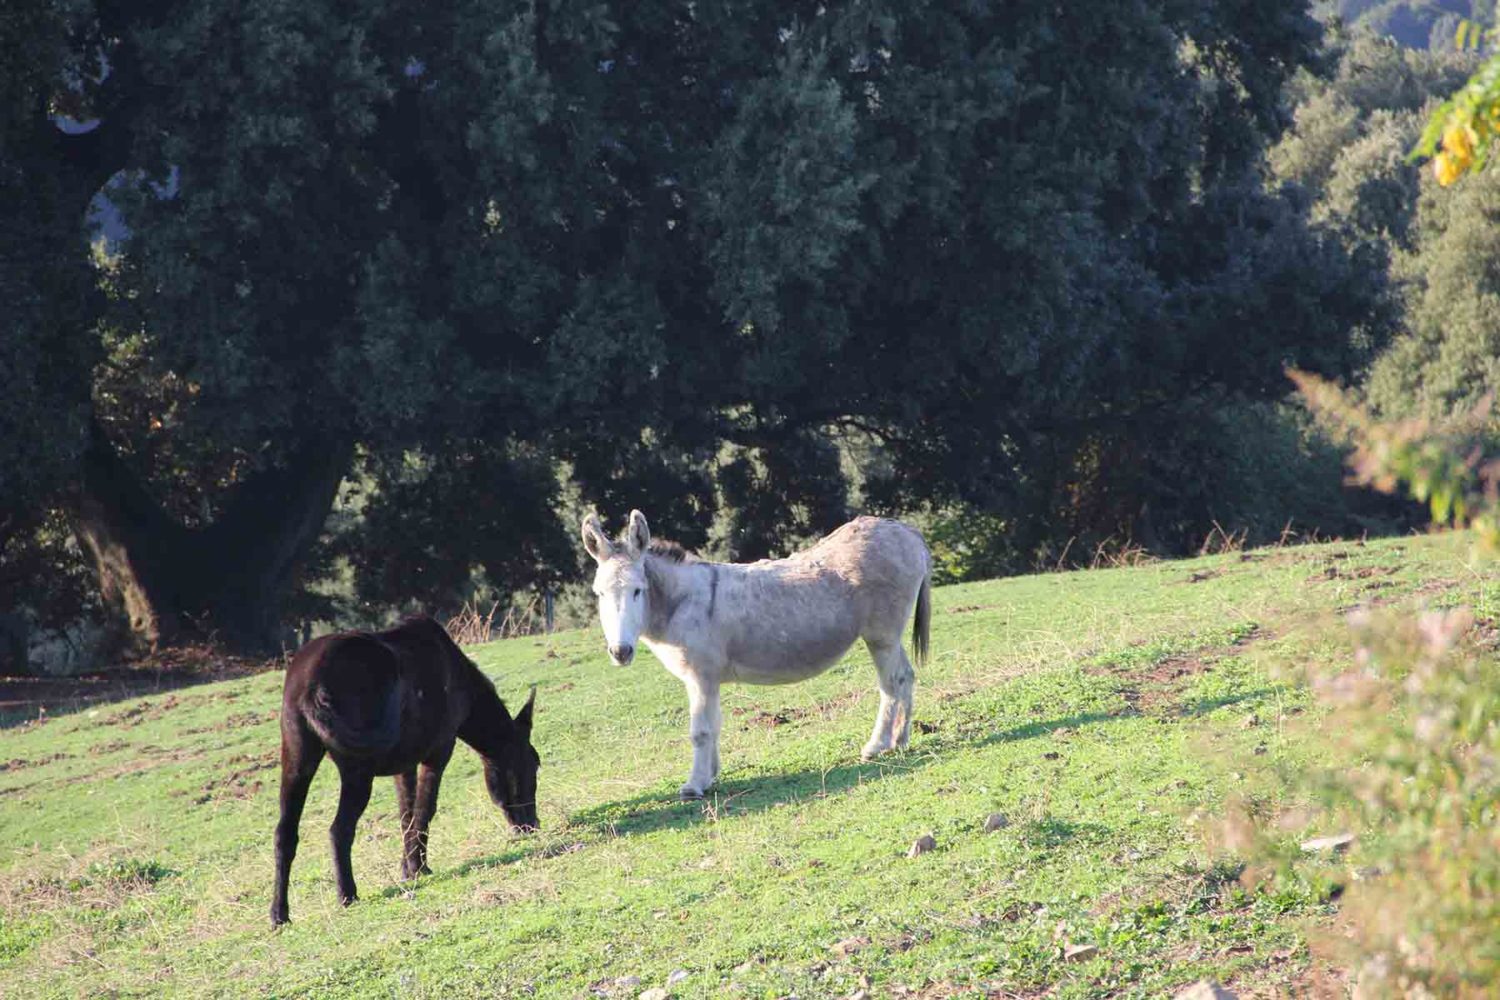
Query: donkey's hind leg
[(893, 719), (301, 753), (354, 794)]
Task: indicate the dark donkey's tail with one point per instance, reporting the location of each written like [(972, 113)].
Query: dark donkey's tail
[(921, 626), (353, 706)]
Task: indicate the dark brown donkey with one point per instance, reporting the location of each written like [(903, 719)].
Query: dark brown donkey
[(393, 703)]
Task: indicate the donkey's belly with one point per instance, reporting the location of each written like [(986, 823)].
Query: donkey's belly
[(777, 661)]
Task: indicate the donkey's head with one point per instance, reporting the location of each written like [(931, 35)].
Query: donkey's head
[(510, 773), (620, 582)]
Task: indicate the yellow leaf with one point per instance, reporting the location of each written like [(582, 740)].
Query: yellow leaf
[(1446, 169)]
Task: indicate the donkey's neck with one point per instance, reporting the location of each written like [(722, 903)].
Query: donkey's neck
[(489, 728), (670, 583)]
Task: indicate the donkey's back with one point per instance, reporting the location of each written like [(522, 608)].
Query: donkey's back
[(860, 581), (381, 697)]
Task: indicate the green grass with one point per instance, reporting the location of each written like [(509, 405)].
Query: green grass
[(1108, 714)]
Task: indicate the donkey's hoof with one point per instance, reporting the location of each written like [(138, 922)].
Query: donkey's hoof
[(871, 752), (280, 916), (687, 793)]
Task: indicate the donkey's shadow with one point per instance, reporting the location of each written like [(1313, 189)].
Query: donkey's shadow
[(658, 808)]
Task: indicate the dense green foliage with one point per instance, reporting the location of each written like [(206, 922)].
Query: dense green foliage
[(672, 251), (1350, 147)]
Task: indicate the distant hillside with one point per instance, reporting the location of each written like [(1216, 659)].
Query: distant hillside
[(1418, 24)]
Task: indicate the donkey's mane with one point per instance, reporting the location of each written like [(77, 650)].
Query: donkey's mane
[(670, 551)]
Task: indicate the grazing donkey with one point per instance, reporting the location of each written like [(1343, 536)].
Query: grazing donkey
[(769, 622), (393, 703)]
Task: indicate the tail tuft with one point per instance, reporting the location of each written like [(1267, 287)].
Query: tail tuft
[(921, 626)]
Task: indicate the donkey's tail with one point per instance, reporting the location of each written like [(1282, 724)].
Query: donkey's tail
[(353, 702), (921, 626), (364, 737)]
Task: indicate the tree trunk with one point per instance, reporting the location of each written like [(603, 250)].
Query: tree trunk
[(224, 582)]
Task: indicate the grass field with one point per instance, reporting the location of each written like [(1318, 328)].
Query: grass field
[(1107, 714)]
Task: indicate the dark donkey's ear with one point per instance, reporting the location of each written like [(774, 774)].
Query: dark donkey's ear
[(523, 717)]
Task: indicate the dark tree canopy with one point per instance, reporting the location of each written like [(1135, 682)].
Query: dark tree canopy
[(670, 246)]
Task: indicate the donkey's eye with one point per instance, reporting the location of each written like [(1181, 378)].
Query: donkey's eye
[(637, 592)]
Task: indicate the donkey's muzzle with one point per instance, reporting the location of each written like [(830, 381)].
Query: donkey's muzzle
[(622, 655)]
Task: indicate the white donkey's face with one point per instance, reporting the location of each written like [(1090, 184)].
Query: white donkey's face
[(620, 583)]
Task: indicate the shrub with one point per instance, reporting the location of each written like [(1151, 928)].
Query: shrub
[(1419, 710)]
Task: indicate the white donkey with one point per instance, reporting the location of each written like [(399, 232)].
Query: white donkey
[(768, 622)]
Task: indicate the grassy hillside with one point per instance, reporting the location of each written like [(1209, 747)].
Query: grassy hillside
[(1098, 711)]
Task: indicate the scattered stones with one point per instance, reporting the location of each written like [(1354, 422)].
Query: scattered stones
[(1079, 952), (859, 995), (1260, 748), (995, 821), (849, 946), (627, 982), (1051, 755), (1337, 844), (1251, 721), (923, 844), (654, 993), (1204, 989), (676, 976)]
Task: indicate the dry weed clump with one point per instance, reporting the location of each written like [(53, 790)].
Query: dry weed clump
[(471, 626)]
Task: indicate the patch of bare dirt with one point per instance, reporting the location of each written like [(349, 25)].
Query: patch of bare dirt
[(18, 763), (140, 712), (1151, 689), (238, 720), (1199, 576), (241, 782), (784, 716), (1333, 571)]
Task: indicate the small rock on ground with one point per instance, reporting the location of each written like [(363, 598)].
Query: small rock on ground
[(1079, 952), (1204, 989), (676, 976), (995, 821), (625, 982), (654, 993), (922, 845), (1337, 843)]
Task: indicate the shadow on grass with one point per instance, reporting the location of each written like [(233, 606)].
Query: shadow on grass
[(658, 808), (24, 700)]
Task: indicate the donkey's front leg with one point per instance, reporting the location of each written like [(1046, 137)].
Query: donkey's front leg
[(703, 726)]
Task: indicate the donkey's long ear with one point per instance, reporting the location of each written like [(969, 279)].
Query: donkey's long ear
[(595, 540), (523, 717), (637, 534)]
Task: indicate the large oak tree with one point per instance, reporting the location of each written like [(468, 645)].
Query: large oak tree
[(1009, 241)]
